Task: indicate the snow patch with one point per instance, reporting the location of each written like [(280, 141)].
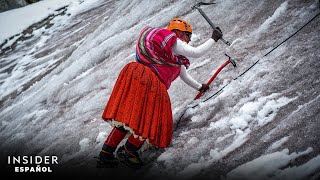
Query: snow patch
[(193, 141), (84, 144), (270, 163), (196, 65), (253, 109), (277, 144), (36, 12), (101, 137), (277, 13)]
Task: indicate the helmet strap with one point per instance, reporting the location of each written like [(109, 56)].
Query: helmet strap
[(181, 35)]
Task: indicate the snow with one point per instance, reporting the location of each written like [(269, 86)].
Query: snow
[(270, 164), (241, 138), (55, 85), (262, 110), (27, 16), (277, 13), (36, 12), (278, 144)]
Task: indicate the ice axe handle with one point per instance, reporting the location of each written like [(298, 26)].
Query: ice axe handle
[(213, 77), (226, 42), (230, 60), (211, 24)]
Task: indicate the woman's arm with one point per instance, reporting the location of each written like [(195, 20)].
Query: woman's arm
[(182, 48), (188, 79)]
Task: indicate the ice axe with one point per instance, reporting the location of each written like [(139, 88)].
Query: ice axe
[(229, 60), (197, 6)]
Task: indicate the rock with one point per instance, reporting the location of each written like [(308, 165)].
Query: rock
[(6, 5)]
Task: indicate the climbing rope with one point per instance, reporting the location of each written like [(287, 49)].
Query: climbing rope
[(249, 67)]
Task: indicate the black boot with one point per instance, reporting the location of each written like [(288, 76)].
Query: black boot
[(106, 158), (128, 155)]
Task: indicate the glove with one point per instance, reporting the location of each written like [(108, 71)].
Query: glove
[(216, 34), (204, 87), (183, 61)]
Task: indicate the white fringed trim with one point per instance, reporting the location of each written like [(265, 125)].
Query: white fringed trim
[(117, 124)]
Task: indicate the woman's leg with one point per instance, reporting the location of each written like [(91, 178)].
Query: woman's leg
[(128, 154), (106, 157)]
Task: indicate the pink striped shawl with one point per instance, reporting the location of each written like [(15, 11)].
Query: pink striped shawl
[(154, 50)]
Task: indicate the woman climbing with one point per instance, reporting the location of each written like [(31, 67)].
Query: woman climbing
[(139, 103)]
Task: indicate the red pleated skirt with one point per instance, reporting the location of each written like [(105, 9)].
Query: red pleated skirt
[(140, 101)]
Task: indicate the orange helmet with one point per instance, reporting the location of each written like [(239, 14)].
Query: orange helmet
[(180, 24)]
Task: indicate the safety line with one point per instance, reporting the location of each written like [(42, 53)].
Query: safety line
[(249, 67)]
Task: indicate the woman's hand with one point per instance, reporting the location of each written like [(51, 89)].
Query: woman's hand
[(217, 34), (204, 87)]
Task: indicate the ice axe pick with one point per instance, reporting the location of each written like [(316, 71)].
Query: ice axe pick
[(197, 6), (229, 60)]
